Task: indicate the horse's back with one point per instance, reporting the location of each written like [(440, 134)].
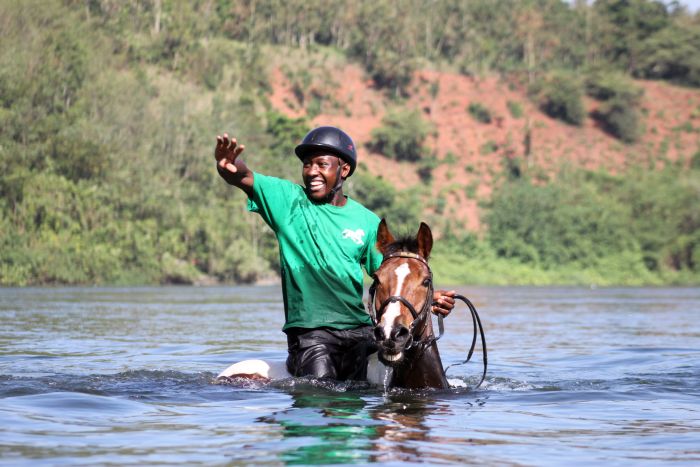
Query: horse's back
[(262, 370), (256, 369)]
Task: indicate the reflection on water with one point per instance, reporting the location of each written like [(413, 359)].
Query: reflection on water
[(343, 428), (126, 376), (325, 428)]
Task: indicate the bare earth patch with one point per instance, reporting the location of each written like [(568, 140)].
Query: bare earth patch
[(474, 153)]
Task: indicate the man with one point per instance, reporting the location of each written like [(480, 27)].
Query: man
[(325, 240)]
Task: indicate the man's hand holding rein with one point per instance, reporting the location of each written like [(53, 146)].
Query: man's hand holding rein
[(443, 302)]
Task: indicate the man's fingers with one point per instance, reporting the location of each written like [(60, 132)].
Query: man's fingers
[(226, 164), (444, 302), (441, 311)]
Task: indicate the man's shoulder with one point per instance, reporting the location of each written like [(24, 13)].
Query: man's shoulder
[(360, 210)]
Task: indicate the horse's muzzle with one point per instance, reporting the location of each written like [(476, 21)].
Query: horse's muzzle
[(391, 350)]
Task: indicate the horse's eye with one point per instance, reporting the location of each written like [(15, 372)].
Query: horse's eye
[(426, 283)]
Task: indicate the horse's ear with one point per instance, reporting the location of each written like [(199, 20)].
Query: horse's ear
[(384, 237), (425, 240)]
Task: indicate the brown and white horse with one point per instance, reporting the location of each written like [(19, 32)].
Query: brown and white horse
[(400, 304)]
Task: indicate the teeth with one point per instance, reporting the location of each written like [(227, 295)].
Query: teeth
[(392, 358)]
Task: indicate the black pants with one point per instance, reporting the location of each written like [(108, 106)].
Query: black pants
[(330, 353)]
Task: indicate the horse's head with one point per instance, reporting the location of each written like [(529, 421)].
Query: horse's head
[(402, 293)]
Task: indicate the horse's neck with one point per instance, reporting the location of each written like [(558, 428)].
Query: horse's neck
[(425, 370)]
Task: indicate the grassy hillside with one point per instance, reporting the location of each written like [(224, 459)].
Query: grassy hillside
[(109, 113)]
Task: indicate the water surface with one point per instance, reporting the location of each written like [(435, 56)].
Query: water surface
[(127, 376)]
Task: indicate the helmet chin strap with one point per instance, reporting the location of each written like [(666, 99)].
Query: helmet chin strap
[(338, 183)]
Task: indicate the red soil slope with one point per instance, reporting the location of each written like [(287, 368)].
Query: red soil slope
[(671, 119)]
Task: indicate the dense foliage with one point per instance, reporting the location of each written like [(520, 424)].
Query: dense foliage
[(646, 222), (401, 135), (109, 109)]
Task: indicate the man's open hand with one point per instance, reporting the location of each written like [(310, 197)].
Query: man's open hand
[(226, 151)]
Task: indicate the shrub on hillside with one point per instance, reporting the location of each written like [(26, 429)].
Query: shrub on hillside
[(401, 209), (559, 95), (515, 108), (401, 135), (619, 112), (673, 53), (620, 119), (390, 70), (479, 112)]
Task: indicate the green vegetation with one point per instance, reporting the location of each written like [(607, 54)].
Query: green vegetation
[(515, 108), (402, 135), (585, 227), (108, 113), (619, 112), (402, 209), (479, 112), (559, 95)]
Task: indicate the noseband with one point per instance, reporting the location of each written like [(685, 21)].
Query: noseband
[(419, 317)]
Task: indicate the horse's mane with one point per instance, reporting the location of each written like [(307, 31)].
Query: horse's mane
[(406, 243)]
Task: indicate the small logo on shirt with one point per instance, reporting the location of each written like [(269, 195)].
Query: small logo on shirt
[(354, 235)]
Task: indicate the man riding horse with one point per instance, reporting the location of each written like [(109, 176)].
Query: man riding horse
[(325, 240)]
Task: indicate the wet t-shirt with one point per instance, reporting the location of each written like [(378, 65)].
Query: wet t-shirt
[(323, 249)]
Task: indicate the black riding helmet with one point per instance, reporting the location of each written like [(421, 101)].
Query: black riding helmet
[(331, 139)]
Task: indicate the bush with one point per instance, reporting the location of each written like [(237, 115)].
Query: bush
[(401, 135), (515, 108), (673, 53), (619, 113), (604, 85), (620, 119), (479, 112), (379, 196), (559, 95), (390, 70), (426, 167)]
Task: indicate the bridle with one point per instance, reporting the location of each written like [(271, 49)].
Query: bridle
[(419, 317)]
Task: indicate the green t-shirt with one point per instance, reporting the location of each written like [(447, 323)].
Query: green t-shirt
[(323, 249)]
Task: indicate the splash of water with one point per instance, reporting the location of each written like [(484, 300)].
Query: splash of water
[(388, 375)]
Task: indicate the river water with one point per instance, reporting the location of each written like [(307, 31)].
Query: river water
[(96, 376)]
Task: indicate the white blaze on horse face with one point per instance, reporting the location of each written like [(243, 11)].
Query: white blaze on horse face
[(393, 311)]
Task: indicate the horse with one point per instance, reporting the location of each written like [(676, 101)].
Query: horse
[(400, 303)]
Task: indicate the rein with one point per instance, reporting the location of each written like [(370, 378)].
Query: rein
[(476, 323), (419, 317)]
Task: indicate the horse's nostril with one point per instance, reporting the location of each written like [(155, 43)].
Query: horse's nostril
[(379, 333), (399, 333)]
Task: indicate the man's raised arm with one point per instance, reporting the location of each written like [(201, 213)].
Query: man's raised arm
[(230, 167)]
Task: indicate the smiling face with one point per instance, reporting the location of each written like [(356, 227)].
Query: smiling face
[(320, 174)]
